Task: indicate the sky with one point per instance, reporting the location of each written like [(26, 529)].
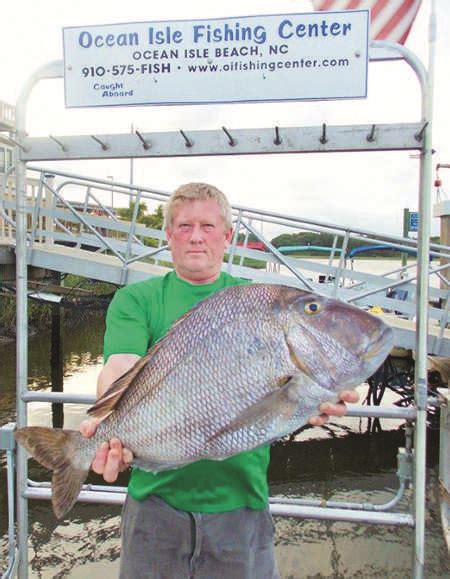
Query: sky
[(367, 190)]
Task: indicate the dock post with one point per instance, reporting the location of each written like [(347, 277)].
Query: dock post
[(21, 357), (444, 463), (421, 377), (50, 70), (56, 358)]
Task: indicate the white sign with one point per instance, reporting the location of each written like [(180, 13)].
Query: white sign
[(319, 55)]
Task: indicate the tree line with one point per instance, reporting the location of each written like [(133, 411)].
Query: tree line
[(155, 220)]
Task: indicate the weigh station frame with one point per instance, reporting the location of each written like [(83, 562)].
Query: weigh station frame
[(224, 141)]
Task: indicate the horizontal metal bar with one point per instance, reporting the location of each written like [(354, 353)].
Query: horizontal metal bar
[(341, 504), (86, 487), (389, 137), (352, 516), (353, 410), (83, 181), (273, 500), (105, 497), (283, 510), (55, 397)]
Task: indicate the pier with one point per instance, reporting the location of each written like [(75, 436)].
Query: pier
[(59, 222), (70, 229)]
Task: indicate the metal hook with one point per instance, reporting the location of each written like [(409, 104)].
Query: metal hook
[(103, 145), (145, 143), (277, 140), (187, 140), (371, 136), (24, 149), (323, 139), (64, 149), (419, 136), (231, 141)]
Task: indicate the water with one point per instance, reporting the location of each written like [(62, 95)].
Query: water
[(340, 462)]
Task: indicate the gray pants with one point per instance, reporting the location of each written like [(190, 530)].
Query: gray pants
[(160, 542)]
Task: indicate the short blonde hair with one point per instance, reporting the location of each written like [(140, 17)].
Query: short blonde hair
[(192, 192)]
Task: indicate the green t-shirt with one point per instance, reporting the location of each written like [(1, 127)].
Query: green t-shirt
[(139, 315)]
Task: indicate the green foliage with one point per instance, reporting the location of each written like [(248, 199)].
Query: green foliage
[(248, 262), (251, 237), (39, 315), (327, 240), (153, 220), (95, 286), (303, 238), (126, 213)]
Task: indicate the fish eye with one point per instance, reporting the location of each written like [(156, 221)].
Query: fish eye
[(312, 308)]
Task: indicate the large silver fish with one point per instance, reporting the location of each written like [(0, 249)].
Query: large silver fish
[(243, 368)]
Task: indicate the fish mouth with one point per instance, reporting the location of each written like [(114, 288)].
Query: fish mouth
[(370, 358), (296, 360), (381, 346)]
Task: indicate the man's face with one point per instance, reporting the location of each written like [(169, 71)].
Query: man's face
[(198, 239)]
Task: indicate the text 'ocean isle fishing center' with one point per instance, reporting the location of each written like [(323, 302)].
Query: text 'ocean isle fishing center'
[(206, 33)]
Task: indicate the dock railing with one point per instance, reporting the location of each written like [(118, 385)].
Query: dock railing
[(69, 212)]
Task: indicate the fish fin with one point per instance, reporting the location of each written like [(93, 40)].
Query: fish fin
[(282, 402), (108, 402), (57, 450)]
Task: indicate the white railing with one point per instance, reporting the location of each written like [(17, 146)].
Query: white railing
[(66, 209), (7, 116)]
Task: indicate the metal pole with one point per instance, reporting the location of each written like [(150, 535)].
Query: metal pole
[(21, 351), (112, 190), (50, 70), (131, 161), (422, 308), (405, 234)]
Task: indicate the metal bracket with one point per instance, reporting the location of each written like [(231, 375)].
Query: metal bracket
[(187, 140), (277, 140), (7, 440), (404, 465)]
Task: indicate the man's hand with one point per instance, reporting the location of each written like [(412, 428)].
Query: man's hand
[(328, 409), (111, 458)]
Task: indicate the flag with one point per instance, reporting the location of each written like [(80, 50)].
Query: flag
[(389, 19)]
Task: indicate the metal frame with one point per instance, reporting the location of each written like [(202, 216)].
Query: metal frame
[(415, 137)]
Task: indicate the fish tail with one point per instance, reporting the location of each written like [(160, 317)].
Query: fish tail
[(59, 451)]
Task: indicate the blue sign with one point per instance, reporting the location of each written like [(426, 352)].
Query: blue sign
[(413, 221)]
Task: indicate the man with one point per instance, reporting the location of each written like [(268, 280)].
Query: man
[(209, 519)]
